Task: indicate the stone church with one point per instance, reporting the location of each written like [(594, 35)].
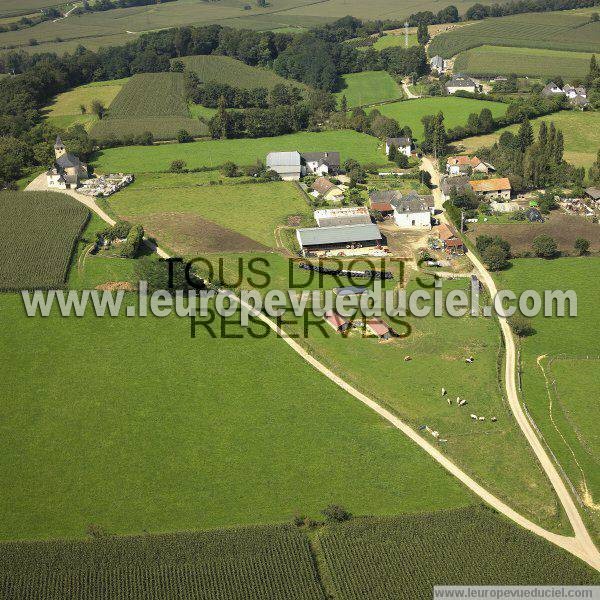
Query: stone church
[(68, 170)]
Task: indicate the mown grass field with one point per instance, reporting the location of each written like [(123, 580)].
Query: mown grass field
[(388, 41), (558, 351), (153, 102), (253, 210), (141, 159), (38, 231), (554, 31), (135, 426), (369, 87), (494, 454), (377, 558), (533, 62), (65, 110), (456, 111), (258, 562), (224, 69), (19, 7), (581, 131)]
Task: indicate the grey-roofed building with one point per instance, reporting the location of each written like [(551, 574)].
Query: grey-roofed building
[(437, 63), (580, 102), (459, 184), (288, 165), (403, 145), (68, 170), (321, 163), (460, 82), (593, 193), (413, 211), (316, 239), (551, 89)]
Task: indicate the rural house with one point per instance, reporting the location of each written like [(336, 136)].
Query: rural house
[(479, 166), (327, 190), (492, 189), (551, 89), (458, 184), (403, 145), (381, 201), (68, 171), (332, 217), (450, 239), (341, 237), (413, 211), (288, 165), (437, 64), (458, 165), (321, 163), (461, 83)]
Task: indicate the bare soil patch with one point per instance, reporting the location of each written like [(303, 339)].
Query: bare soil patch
[(188, 233), (564, 228), (114, 286)]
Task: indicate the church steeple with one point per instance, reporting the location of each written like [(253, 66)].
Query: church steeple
[(59, 147)]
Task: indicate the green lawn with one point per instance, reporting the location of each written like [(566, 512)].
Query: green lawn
[(456, 111), (581, 132), (369, 87), (534, 62), (571, 426), (139, 159), (387, 41), (253, 210), (131, 424)]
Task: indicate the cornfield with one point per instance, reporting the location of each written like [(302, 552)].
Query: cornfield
[(266, 562), (405, 557), (153, 102), (38, 231)]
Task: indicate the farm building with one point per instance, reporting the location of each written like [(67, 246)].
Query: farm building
[(461, 83), (403, 145), (492, 189), (327, 190), (413, 211), (290, 166), (450, 239), (382, 200), (337, 322), (332, 217), (379, 328), (68, 171), (319, 239), (593, 193), (458, 184), (438, 64), (464, 165), (551, 90)]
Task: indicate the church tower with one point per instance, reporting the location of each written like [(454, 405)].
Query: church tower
[(59, 147)]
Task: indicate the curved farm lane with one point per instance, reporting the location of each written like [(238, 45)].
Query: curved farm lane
[(581, 545), (582, 541)]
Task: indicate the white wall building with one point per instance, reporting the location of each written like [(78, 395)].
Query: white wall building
[(413, 211), (403, 145)]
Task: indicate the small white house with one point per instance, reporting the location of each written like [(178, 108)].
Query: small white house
[(461, 83), (438, 64), (403, 145), (321, 163), (413, 211)]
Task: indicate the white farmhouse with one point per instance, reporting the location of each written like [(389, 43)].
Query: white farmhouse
[(412, 211), (461, 83), (438, 64), (403, 145)]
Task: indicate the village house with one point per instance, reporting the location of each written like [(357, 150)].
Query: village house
[(321, 239), (593, 193), (492, 189), (450, 239), (68, 171), (351, 215), (381, 201), (403, 145), (458, 184), (577, 96), (458, 165), (461, 83), (290, 166), (413, 211), (551, 89), (327, 189), (438, 64)]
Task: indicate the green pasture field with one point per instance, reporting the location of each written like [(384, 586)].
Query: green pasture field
[(456, 111), (559, 350), (198, 111), (153, 102), (20, 7), (65, 109), (376, 558), (38, 231), (224, 69), (139, 159), (253, 210), (135, 426), (533, 62), (369, 87), (581, 132), (553, 31), (388, 41), (495, 454)]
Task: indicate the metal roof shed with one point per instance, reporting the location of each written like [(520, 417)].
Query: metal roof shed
[(340, 234)]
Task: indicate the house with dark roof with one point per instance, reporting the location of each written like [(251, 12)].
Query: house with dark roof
[(412, 211), (403, 145), (321, 163), (551, 90), (459, 185), (68, 171), (438, 64), (460, 82)]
